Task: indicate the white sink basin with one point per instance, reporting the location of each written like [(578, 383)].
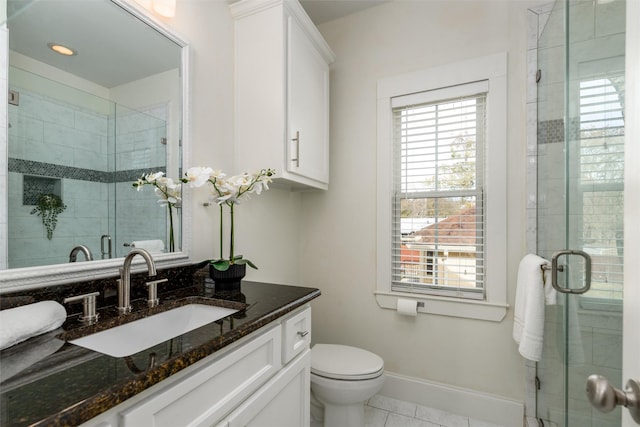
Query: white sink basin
[(130, 338)]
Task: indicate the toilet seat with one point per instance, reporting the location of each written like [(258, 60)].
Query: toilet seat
[(342, 362)]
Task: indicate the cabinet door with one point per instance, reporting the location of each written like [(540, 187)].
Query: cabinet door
[(206, 395), (308, 106), (283, 401)]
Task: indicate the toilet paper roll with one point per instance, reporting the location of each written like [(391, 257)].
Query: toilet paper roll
[(407, 307)]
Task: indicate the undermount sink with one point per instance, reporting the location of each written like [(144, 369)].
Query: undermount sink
[(130, 338)]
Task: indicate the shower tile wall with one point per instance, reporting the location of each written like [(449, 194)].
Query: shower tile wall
[(58, 140), (593, 340), (68, 143)]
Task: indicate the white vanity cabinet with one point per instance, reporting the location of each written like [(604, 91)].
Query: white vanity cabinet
[(281, 93), (261, 380), (283, 402)]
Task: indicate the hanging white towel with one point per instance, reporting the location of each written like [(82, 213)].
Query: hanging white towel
[(153, 246), (532, 291), (21, 323)]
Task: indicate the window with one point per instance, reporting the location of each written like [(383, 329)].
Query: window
[(442, 189), (438, 181)]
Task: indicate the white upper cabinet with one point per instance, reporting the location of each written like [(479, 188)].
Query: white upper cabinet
[(282, 93)]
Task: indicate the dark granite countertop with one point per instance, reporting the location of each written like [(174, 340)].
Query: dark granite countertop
[(73, 384)]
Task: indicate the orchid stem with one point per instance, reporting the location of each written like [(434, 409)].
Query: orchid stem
[(232, 235), (221, 214), (171, 242)]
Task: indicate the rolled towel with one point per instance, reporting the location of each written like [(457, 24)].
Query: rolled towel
[(153, 246), (21, 323)]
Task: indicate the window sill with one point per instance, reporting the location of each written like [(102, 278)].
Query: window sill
[(455, 307)]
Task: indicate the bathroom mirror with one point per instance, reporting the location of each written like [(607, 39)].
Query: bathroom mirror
[(81, 129)]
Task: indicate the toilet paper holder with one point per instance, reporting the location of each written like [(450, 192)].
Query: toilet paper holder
[(409, 306)]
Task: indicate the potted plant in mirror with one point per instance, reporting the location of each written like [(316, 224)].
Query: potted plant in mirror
[(49, 206), (169, 194), (227, 272)]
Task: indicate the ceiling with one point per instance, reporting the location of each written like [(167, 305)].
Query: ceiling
[(103, 34), (106, 37), (321, 11)]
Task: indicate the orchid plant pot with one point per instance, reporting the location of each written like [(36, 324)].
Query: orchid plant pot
[(230, 279)]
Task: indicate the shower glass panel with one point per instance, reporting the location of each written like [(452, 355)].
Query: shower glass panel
[(580, 202), (140, 148), (88, 151)]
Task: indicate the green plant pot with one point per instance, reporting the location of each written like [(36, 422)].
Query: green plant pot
[(229, 279)]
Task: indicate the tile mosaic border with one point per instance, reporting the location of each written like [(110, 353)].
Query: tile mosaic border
[(51, 170)]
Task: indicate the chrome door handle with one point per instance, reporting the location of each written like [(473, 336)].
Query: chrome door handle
[(604, 397), (555, 268)]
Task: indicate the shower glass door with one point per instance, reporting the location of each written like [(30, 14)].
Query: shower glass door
[(580, 203)]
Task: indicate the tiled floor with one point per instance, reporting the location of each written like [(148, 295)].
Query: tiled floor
[(382, 411)]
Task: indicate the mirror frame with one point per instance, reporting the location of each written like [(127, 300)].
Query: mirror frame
[(19, 279)]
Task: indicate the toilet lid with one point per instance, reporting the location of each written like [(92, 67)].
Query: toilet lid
[(343, 362)]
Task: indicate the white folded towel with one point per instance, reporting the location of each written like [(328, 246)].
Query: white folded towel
[(153, 246), (532, 291), (21, 323)]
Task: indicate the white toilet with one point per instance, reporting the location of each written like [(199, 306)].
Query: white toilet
[(342, 379)]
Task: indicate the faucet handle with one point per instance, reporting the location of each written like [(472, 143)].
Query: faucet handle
[(153, 300), (89, 315)]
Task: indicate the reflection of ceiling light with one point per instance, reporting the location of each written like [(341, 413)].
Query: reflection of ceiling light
[(166, 8), (62, 50)]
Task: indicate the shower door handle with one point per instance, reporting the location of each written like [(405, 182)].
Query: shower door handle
[(555, 268), (604, 397), (105, 238)]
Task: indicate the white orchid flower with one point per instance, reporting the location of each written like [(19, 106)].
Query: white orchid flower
[(152, 177), (139, 184), (217, 175), (198, 175)]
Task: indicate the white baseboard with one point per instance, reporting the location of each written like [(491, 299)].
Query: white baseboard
[(473, 404)]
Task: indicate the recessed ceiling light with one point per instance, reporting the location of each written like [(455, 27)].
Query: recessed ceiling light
[(61, 49)]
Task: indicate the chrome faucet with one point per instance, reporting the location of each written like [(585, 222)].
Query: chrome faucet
[(80, 248), (124, 284)]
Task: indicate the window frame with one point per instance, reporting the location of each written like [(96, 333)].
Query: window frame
[(445, 98), (492, 68)]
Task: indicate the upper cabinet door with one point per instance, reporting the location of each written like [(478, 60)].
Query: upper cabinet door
[(281, 93), (308, 107)]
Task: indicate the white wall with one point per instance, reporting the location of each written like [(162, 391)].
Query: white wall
[(338, 245), (327, 239), (267, 226)]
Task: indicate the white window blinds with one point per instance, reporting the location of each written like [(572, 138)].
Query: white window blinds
[(438, 210)]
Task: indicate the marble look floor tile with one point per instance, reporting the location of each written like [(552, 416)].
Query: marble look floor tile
[(397, 420), (374, 417), (440, 417), (393, 405)]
